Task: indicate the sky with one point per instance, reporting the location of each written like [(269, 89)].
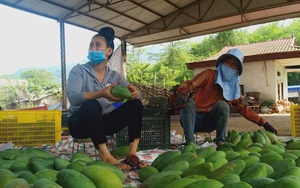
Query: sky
[(29, 40)]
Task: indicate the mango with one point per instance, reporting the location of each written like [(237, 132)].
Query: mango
[(164, 181), (230, 178), (196, 161), (233, 167), (284, 182), (29, 177), (204, 169), (218, 163), (294, 171), (189, 157), (146, 172), (76, 166), (205, 183), (79, 156), (20, 166), (180, 166), (256, 172), (102, 177), (250, 160), (110, 167), (180, 183), (68, 178), (270, 158), (216, 156), (47, 174), (155, 177), (5, 177), (18, 182), (283, 165), (121, 92), (237, 185), (45, 183), (161, 160), (260, 182), (61, 163), (205, 152), (230, 155)]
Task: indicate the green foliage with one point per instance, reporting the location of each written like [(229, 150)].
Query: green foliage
[(267, 32), (170, 69), (268, 103), (293, 78), (214, 43), (38, 82), (139, 73), (294, 28)]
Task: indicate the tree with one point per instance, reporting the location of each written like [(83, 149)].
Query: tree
[(139, 73), (12, 93), (174, 56), (40, 82), (215, 42), (293, 78), (271, 31), (294, 29)]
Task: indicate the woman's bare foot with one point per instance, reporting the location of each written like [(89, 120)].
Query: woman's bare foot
[(113, 161)]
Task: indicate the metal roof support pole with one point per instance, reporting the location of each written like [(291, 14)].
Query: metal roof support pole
[(63, 64), (124, 55)]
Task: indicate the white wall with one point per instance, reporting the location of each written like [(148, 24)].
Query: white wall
[(282, 78), (261, 77)]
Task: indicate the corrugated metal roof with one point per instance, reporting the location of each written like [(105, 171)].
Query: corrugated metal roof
[(260, 51), (261, 48), (145, 22)]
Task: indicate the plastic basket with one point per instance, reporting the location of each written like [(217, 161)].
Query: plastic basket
[(155, 133), (30, 127), (295, 120), (64, 120)]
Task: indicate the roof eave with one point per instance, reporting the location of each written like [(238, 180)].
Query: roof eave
[(247, 59)]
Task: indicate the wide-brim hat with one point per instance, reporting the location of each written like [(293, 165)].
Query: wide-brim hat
[(236, 53)]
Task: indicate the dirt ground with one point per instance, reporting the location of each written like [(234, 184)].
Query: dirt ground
[(282, 123)]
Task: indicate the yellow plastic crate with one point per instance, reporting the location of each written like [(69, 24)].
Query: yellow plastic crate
[(30, 127), (295, 120)]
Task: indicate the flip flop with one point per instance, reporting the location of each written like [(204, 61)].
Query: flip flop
[(123, 166), (134, 162)]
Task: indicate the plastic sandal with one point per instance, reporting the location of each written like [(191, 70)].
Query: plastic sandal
[(134, 162)]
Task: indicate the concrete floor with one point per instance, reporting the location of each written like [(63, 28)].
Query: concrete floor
[(282, 123)]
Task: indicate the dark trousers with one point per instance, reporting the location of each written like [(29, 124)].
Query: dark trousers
[(88, 122)]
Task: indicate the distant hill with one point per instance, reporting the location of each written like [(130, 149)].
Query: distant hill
[(55, 70)]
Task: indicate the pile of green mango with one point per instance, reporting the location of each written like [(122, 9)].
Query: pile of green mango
[(247, 160)]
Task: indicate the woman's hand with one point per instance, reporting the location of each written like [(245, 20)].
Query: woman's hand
[(134, 91), (108, 95)]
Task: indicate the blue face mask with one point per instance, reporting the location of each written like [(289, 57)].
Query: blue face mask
[(96, 57), (227, 72)]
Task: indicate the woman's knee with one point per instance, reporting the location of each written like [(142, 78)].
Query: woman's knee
[(136, 104), (91, 106)]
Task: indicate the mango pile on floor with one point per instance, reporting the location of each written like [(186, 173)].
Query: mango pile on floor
[(248, 159), (36, 168)]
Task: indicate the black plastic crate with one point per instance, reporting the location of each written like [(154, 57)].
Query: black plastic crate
[(64, 119), (155, 133)]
